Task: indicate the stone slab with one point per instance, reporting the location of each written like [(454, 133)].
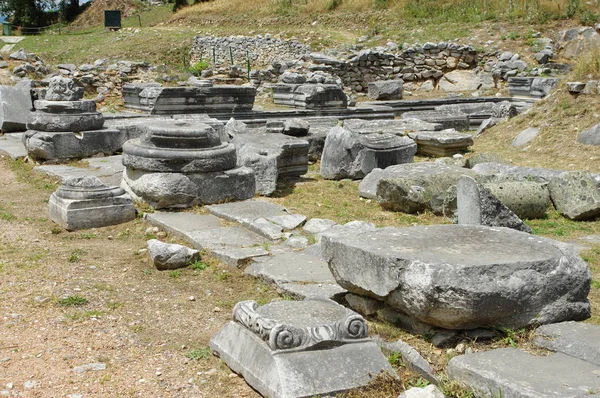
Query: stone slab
[(11, 146), (63, 172), (253, 214), (512, 373), (576, 339), (302, 291), (442, 275), (182, 223), (292, 267)]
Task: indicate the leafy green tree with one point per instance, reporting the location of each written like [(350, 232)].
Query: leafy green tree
[(25, 12)]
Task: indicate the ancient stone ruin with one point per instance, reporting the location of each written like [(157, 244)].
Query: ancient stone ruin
[(63, 126), (86, 202), (181, 164), (288, 348)]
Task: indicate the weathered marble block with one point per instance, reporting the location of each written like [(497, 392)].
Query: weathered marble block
[(182, 163), (463, 276), (441, 143), (288, 348), (85, 202), (310, 96)]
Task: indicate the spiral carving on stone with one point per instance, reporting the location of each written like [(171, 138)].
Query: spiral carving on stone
[(356, 327), (283, 337)]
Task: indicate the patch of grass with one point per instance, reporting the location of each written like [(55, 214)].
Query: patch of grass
[(175, 274), (148, 272), (75, 255), (113, 305), (559, 227), (220, 274), (88, 235), (73, 301), (6, 216), (199, 266), (199, 353), (395, 359), (198, 68)]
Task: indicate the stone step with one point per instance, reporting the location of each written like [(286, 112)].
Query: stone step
[(233, 246), (11, 146), (579, 340), (300, 274), (510, 372), (266, 219)]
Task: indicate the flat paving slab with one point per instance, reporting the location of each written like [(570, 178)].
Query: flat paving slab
[(108, 169), (579, 340), (265, 218), (11, 146), (233, 246), (513, 373), (292, 267)]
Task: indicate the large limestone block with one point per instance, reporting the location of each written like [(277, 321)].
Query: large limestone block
[(15, 105), (509, 372), (43, 145), (412, 188), (386, 90), (305, 348), (577, 339), (166, 190), (478, 206), (441, 143), (590, 136), (576, 196), (527, 199), (350, 154), (463, 277), (85, 202), (463, 80)]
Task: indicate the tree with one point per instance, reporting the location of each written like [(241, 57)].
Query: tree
[(69, 9), (25, 12)]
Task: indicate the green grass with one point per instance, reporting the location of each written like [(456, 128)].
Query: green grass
[(558, 227), (73, 301), (199, 266), (175, 274), (75, 255), (199, 353)]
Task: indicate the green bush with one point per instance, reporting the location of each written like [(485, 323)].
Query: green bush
[(198, 67)]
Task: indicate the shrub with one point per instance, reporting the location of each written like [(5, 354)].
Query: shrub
[(198, 67)]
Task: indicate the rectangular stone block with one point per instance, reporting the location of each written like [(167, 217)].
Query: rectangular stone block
[(74, 215)]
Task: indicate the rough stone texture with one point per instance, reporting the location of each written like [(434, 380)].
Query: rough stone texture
[(512, 373), (572, 42), (43, 146), (164, 190), (412, 188), (12, 146), (270, 156), (431, 391), (441, 274), (63, 89), (482, 157), (318, 225), (446, 119), (56, 116), (576, 196), (176, 100), (411, 357), (527, 199), (353, 154), (441, 143), (180, 163), (15, 105), (310, 96), (575, 87), (287, 348), (478, 206), (368, 186), (258, 216), (463, 80), (590, 136), (363, 305), (385, 90), (526, 136), (86, 202), (576, 339), (296, 127), (522, 173), (166, 256)]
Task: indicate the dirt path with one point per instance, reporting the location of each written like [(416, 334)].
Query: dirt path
[(142, 324)]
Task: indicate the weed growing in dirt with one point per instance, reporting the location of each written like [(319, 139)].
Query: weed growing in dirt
[(198, 266), (73, 301), (175, 274), (221, 275), (199, 353), (6, 216), (75, 255), (88, 235), (113, 305), (395, 359)]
